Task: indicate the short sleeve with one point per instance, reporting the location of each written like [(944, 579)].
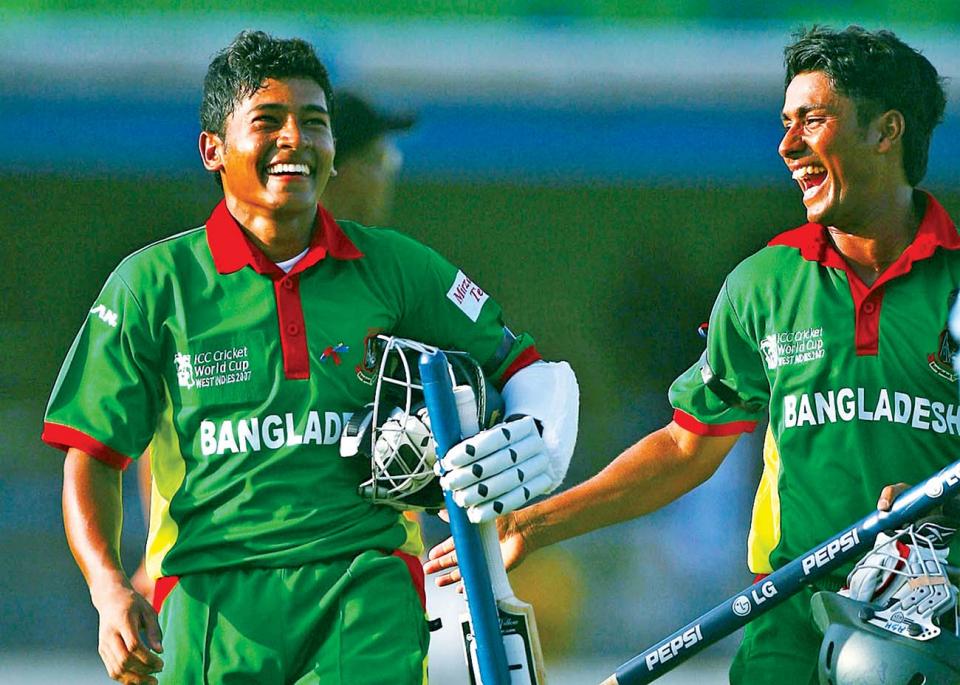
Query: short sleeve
[(452, 311), (107, 396), (727, 390)]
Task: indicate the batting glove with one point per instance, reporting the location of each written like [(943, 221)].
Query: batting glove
[(498, 470)]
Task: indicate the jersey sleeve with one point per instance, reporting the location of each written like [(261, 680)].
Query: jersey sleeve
[(726, 391), (448, 309), (107, 396)]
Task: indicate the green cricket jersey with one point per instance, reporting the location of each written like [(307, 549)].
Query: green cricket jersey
[(857, 380), (240, 378)]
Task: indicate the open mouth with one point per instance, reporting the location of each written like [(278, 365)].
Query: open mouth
[(810, 178), (300, 170)]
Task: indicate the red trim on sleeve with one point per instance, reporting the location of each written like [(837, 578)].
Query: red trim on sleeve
[(162, 589), (64, 437), (524, 359), (416, 575), (688, 422)]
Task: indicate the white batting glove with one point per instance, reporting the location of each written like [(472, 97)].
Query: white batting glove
[(885, 573), (498, 470)]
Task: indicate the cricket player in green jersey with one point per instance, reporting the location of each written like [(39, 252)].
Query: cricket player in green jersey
[(835, 330), (234, 352)]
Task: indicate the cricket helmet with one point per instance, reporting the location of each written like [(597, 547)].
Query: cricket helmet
[(393, 431), (857, 652)]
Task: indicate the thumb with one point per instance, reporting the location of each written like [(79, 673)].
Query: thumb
[(151, 629)]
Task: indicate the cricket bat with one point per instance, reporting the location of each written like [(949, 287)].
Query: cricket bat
[(518, 626)]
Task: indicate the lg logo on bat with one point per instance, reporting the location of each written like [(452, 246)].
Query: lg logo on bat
[(742, 604)]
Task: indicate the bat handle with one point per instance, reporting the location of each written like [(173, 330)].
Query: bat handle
[(444, 422), (470, 426)]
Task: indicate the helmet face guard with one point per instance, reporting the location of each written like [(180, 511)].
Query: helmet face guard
[(394, 431)]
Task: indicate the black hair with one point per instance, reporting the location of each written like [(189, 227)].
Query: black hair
[(879, 72), (239, 70)]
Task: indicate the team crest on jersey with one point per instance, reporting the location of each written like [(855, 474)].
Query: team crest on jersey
[(941, 362), (369, 360)]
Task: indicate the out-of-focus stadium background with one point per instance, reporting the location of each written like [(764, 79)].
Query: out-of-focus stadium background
[(598, 166)]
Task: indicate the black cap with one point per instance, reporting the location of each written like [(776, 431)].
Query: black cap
[(356, 122)]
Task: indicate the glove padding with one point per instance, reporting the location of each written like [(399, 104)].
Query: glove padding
[(888, 574), (498, 470)]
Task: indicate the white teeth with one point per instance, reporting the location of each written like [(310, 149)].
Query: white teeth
[(301, 169), (807, 171)]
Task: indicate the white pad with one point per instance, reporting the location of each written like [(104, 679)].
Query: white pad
[(548, 391)]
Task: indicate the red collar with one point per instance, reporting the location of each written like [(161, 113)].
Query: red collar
[(936, 230), (232, 249)]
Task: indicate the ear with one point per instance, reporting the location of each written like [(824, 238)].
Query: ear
[(888, 129), (211, 151)]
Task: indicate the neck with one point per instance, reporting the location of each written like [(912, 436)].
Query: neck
[(872, 245), (278, 236)]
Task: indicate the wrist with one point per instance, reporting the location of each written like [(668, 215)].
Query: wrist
[(105, 583), (525, 525)]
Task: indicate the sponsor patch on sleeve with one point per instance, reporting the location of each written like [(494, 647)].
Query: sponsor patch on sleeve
[(467, 295)]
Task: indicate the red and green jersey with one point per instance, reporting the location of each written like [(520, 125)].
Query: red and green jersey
[(240, 378), (857, 380)]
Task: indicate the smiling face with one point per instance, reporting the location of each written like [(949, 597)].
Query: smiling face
[(276, 152), (838, 163)]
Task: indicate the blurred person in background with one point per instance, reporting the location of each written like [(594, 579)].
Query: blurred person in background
[(836, 329), (367, 163), (233, 350), (368, 160)]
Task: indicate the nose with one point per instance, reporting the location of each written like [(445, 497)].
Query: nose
[(791, 145), (290, 135)]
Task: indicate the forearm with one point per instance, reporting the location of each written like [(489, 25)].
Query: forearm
[(646, 476), (92, 517)]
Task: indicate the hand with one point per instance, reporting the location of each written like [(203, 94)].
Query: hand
[(890, 493), (498, 470), (514, 546), (124, 617)]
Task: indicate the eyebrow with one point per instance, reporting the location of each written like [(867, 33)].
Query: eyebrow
[(275, 106), (805, 109)]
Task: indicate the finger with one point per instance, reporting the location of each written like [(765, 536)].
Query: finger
[(888, 494), (440, 563), (113, 652), (443, 548), (138, 659), (502, 483), (143, 661), (448, 578), (487, 442), (492, 464), (516, 498)]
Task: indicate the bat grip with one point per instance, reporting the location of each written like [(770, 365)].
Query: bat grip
[(469, 426)]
